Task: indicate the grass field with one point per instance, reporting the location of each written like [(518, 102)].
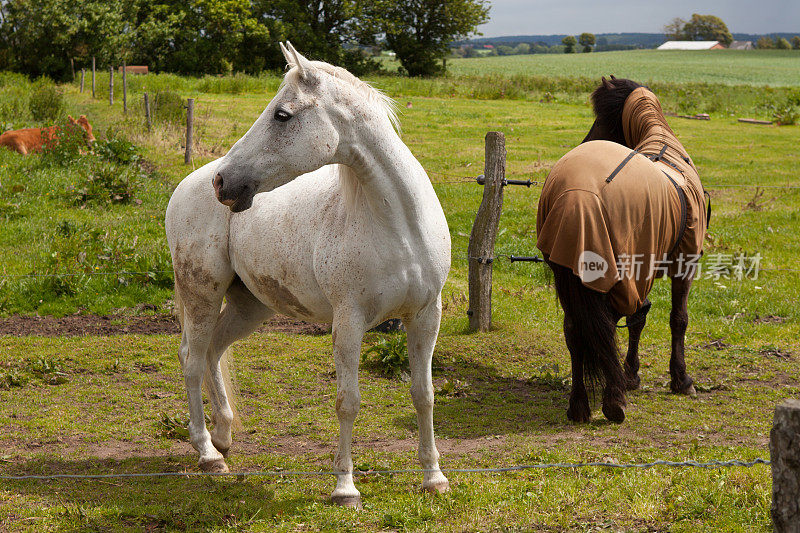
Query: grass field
[(98, 404)]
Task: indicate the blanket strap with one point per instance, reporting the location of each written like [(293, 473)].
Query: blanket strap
[(621, 165), (682, 227)]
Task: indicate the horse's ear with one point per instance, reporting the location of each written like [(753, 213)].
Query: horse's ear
[(613, 77), (303, 64), (71, 120), (286, 55), (607, 84)]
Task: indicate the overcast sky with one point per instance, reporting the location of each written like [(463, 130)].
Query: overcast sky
[(546, 17)]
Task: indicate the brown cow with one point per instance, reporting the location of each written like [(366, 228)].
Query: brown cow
[(33, 139)]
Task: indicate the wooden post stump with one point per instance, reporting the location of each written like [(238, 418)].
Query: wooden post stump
[(189, 130), (93, 74), (147, 112), (83, 76), (480, 252), (124, 88), (110, 85), (784, 449)]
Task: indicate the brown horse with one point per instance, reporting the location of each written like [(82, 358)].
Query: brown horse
[(621, 209), (30, 140)]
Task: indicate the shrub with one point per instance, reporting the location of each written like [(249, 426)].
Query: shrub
[(105, 182), (66, 146), (46, 103), (117, 150), (389, 356)]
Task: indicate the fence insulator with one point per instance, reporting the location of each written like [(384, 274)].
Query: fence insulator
[(530, 259)]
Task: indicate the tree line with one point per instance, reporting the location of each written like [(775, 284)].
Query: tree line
[(53, 37)]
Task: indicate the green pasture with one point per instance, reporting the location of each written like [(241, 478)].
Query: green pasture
[(105, 404)]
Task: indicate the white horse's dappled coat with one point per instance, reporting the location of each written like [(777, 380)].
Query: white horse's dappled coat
[(331, 219)]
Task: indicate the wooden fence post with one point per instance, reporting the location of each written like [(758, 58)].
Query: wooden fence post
[(480, 252), (124, 88), (784, 449), (83, 76), (111, 85), (147, 112), (93, 73), (189, 130)]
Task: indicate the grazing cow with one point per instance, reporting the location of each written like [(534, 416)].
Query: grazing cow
[(30, 140)]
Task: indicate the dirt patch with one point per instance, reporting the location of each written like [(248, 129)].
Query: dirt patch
[(83, 325)]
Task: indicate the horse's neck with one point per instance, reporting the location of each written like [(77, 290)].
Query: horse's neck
[(390, 180)]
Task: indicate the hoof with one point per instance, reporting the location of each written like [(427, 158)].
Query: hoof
[(632, 382), (580, 414), (436, 487), (614, 413), (353, 502), (687, 387), (215, 466)]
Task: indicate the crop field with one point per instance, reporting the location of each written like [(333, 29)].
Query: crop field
[(776, 68), (110, 404)]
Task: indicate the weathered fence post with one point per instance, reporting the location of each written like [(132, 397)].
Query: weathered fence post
[(124, 88), (93, 73), (147, 112), (111, 85), (189, 130), (480, 252), (83, 76), (784, 449)]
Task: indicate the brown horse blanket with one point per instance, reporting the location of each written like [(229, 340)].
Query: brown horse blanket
[(621, 218)]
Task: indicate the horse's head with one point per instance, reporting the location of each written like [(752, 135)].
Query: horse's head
[(608, 101), (312, 121), (83, 123)]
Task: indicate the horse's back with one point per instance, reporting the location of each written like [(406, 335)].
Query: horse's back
[(635, 214)]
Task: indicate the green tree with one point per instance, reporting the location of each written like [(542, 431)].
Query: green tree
[(587, 40), (796, 42), (327, 30), (569, 43), (674, 29), (707, 28), (420, 31), (782, 44), (765, 43), (522, 48), (42, 37)]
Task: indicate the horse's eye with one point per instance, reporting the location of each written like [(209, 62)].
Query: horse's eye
[(282, 116)]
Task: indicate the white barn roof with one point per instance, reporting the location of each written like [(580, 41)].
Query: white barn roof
[(688, 45)]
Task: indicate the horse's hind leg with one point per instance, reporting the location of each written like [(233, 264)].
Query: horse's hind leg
[(578, 410), (422, 331), (348, 331), (680, 383), (636, 324), (243, 314)]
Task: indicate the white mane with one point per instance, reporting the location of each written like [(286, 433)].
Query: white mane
[(367, 91)]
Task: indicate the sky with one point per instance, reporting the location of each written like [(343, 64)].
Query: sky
[(547, 17)]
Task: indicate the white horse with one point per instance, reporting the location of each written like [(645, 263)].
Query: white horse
[(353, 243)]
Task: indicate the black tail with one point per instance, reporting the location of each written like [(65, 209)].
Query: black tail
[(595, 334), (608, 100)]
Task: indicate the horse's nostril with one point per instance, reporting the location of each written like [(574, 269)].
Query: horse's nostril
[(217, 183)]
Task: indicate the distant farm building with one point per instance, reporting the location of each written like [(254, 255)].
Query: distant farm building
[(135, 69), (741, 45), (692, 45)]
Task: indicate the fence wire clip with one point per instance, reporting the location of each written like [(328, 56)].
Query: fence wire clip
[(483, 260)]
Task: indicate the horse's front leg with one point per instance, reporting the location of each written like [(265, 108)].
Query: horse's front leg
[(636, 324), (422, 331), (348, 331), (680, 383)]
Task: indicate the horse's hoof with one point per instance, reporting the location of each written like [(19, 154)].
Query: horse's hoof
[(580, 415), (221, 449), (215, 466), (439, 486), (343, 500), (686, 388), (614, 413)]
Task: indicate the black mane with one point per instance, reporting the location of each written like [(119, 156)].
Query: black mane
[(608, 100)]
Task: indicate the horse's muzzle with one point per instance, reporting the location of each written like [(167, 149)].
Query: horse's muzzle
[(237, 198)]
